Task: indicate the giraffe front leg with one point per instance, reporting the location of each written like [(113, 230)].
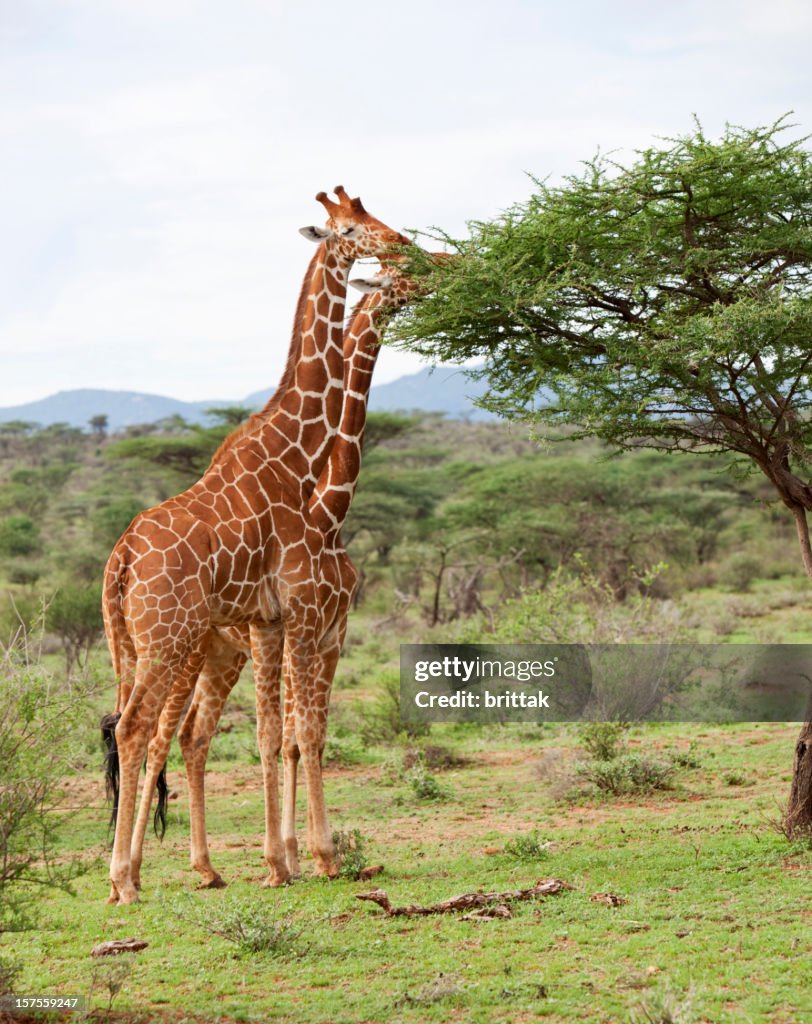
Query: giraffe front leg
[(312, 684), (266, 650)]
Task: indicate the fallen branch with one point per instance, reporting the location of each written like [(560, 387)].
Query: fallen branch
[(608, 899), (468, 901), (488, 913), (116, 946)]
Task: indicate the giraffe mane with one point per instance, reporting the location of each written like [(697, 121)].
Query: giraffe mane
[(273, 403), (362, 303)]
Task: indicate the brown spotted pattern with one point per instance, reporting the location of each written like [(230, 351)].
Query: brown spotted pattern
[(230, 647), (238, 548)]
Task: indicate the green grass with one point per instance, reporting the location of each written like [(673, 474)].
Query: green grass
[(716, 901)]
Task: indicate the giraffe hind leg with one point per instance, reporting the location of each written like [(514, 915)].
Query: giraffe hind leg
[(155, 780), (153, 681), (217, 679)]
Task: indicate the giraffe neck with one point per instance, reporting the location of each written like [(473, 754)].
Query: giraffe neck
[(298, 423), (335, 489)]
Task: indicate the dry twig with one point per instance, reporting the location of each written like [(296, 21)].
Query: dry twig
[(470, 901)]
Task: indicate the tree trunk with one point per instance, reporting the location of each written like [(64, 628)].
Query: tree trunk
[(803, 537), (798, 819), (438, 589)]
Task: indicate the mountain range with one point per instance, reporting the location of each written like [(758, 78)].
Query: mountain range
[(445, 389)]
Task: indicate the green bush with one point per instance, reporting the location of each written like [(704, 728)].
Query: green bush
[(424, 784), (667, 1005), (342, 751), (433, 755), (25, 574), (10, 970), (74, 614), (689, 758), (110, 977), (351, 853), (740, 571), (19, 536), (735, 779), (603, 741), (381, 721), (627, 773), (249, 925), (111, 520), (527, 847), (17, 613), (41, 734)]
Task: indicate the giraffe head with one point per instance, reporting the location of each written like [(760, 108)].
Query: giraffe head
[(351, 231), (395, 286)]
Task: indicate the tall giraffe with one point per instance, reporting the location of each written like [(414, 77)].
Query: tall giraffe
[(229, 648), (238, 547)]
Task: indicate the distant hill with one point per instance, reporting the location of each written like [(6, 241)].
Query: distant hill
[(446, 389), (443, 389), (122, 408)]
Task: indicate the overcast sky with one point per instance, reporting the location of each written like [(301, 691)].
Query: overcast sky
[(159, 155)]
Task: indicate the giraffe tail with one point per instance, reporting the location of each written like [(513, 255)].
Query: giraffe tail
[(113, 615), (159, 821), (111, 767), (114, 628)]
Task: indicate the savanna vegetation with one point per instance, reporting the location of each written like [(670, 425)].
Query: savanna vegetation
[(462, 532)]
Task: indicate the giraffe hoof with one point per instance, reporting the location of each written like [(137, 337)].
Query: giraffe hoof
[(213, 883), (276, 879)]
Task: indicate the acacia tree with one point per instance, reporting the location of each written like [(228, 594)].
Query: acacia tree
[(99, 425), (662, 303), (74, 613)]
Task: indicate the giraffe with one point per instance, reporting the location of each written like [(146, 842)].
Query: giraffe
[(229, 647), (238, 547)]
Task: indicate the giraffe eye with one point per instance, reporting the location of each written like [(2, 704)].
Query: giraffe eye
[(348, 232)]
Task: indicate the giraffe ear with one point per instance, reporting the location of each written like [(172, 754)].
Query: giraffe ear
[(371, 284), (315, 234)]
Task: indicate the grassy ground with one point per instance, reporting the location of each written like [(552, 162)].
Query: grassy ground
[(716, 925)]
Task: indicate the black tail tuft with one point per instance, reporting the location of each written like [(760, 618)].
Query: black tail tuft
[(111, 767), (159, 821)]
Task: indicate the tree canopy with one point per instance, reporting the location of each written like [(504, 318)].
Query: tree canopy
[(664, 302)]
